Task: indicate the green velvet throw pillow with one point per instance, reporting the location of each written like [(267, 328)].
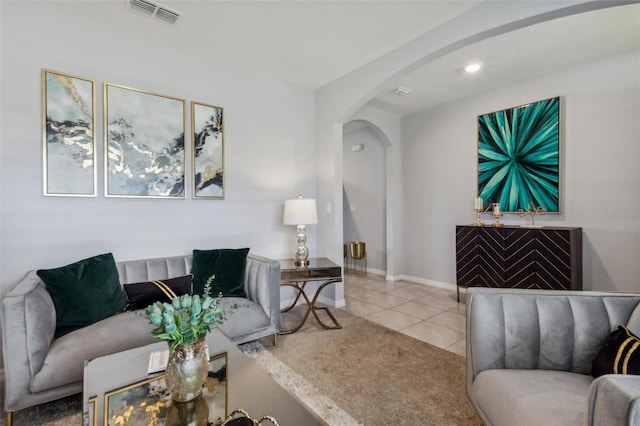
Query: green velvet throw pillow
[(84, 292), (228, 266)]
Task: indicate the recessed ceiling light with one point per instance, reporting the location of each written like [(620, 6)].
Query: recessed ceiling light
[(401, 91), (473, 67)]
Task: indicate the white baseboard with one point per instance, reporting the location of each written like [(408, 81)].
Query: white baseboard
[(417, 280), (341, 303), (400, 277), (333, 303), (373, 271)]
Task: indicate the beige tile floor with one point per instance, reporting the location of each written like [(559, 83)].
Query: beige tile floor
[(427, 313)]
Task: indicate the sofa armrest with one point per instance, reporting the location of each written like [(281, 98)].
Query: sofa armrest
[(28, 327), (263, 286), (614, 399)]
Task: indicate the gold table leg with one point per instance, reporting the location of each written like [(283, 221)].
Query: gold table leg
[(311, 306)]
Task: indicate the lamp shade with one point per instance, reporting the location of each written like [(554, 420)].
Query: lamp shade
[(300, 211)]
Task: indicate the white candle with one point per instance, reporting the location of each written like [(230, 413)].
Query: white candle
[(479, 203), (496, 208)]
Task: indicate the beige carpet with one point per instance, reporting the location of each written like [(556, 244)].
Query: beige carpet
[(378, 376), (364, 374)]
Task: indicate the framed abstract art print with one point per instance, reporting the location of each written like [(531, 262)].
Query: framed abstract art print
[(68, 135), (207, 127), (519, 157), (144, 144)]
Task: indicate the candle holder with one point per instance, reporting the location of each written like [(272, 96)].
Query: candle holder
[(497, 223), (478, 222), (497, 214)]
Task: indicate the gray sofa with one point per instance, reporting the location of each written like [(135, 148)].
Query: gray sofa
[(529, 355), (39, 368)]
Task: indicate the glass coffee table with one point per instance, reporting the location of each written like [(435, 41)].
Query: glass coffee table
[(118, 390)]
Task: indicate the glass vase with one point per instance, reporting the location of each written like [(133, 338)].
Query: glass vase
[(187, 370)]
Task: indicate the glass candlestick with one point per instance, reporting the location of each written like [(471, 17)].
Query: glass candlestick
[(497, 223), (478, 222)]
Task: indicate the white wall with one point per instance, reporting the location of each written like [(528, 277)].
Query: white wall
[(269, 129), (337, 102), (599, 163), (364, 207)]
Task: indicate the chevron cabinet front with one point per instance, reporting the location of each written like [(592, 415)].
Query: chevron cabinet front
[(515, 257)]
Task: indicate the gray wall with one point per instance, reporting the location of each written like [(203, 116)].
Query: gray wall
[(268, 132), (600, 173), (364, 205)]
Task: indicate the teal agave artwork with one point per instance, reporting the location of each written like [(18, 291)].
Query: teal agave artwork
[(519, 156)]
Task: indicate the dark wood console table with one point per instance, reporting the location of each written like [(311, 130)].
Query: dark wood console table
[(518, 257), (319, 269)]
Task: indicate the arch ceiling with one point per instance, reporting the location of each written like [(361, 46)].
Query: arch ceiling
[(312, 43)]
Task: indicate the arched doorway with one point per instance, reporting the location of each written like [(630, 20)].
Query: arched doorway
[(365, 198)]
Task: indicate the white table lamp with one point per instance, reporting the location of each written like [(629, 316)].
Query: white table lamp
[(301, 211)]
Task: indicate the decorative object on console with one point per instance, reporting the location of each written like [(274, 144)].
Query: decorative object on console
[(497, 214), (532, 213), (68, 135), (479, 208), (84, 292), (519, 156), (207, 131), (300, 211), (144, 143)]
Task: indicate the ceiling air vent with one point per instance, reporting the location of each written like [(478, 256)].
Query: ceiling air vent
[(155, 10)]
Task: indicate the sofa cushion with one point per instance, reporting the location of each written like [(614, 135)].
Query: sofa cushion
[(140, 295), (228, 267), (84, 292), (620, 354), (531, 397), (248, 318), (64, 363)]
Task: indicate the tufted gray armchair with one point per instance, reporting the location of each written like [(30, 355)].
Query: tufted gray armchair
[(529, 356)]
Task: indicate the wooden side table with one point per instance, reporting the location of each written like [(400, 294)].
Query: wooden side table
[(319, 269)]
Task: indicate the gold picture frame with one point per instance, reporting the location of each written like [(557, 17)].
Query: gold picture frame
[(144, 143), (519, 157), (207, 136), (68, 135), (89, 417)]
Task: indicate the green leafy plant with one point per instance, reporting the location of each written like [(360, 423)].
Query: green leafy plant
[(187, 318)]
